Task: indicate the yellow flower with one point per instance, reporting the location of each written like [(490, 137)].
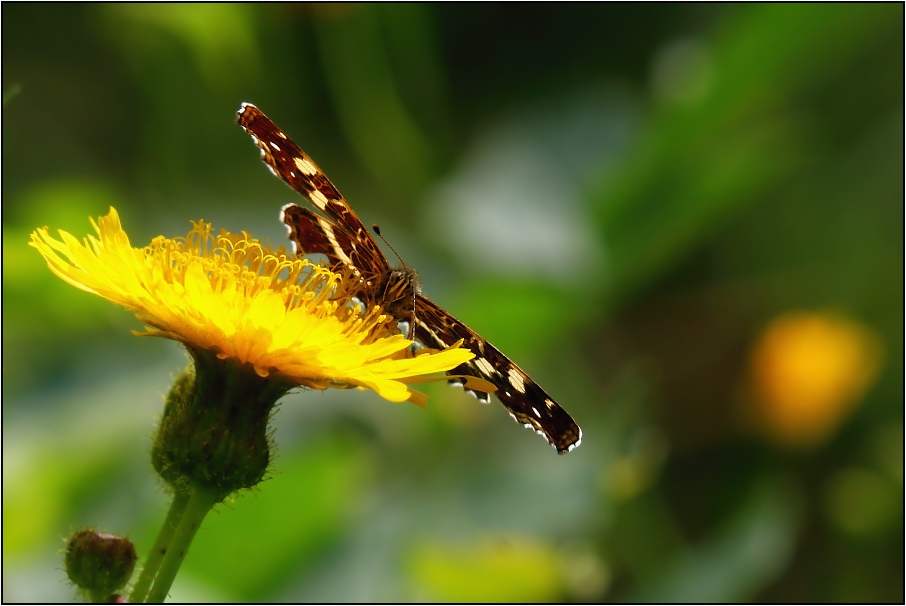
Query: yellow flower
[(230, 295), (810, 371)]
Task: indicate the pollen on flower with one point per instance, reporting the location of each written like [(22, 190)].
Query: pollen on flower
[(230, 294)]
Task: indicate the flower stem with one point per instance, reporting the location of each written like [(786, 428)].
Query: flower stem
[(199, 504), (161, 545)]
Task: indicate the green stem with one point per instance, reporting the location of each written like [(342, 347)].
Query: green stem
[(156, 556), (200, 503)]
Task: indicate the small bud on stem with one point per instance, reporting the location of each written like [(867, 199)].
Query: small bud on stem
[(99, 564)]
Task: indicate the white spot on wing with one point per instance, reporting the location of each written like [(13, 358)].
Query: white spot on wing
[(485, 367), (535, 410), (327, 228), (305, 166), (289, 229), (275, 146), (517, 380), (317, 198)]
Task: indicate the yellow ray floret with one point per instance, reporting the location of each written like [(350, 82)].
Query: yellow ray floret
[(231, 295)]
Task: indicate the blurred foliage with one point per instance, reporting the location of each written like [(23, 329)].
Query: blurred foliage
[(629, 200), (499, 571), (284, 526)]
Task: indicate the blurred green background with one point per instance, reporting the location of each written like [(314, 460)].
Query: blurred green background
[(685, 221)]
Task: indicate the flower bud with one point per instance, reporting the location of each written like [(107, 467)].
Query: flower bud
[(99, 563), (213, 433)]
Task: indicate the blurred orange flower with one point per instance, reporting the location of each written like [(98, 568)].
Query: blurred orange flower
[(809, 371)]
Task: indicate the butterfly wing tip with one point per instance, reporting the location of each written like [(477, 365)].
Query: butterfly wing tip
[(562, 450)]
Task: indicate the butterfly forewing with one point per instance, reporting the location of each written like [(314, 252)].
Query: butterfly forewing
[(347, 244), (522, 397), (298, 170)]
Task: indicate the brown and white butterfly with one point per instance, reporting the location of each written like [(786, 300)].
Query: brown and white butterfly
[(340, 235)]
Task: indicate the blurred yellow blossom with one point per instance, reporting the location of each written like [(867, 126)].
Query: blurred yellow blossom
[(501, 569), (809, 371)]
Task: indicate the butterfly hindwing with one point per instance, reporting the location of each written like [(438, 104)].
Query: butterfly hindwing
[(340, 235), (311, 233)]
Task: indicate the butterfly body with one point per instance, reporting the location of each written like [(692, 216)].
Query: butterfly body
[(341, 236), (396, 293)]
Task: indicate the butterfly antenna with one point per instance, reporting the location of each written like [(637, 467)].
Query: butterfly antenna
[(377, 230)]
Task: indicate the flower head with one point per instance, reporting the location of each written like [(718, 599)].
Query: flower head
[(230, 295)]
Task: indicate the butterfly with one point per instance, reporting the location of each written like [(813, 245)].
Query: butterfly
[(341, 236)]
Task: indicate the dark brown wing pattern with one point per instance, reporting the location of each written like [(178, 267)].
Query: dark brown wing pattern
[(523, 398), (286, 160), (347, 243)]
